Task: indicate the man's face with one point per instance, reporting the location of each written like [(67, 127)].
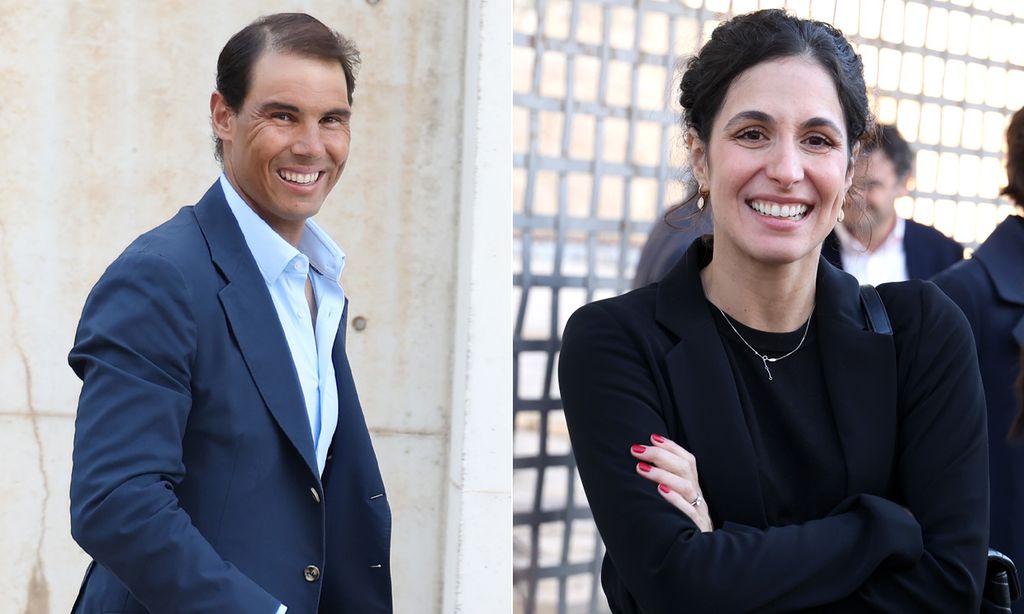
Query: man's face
[(286, 147), (880, 186)]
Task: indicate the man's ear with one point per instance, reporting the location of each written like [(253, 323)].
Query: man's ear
[(698, 156), (221, 116)]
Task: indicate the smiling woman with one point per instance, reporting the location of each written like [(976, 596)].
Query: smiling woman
[(765, 475)]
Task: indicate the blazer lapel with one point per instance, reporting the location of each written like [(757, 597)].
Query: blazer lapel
[(861, 379), (253, 321), (705, 393)]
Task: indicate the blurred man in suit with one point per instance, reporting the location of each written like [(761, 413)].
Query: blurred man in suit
[(873, 243)]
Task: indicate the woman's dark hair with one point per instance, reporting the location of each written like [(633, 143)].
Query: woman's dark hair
[(747, 40), (1015, 159), (296, 33)]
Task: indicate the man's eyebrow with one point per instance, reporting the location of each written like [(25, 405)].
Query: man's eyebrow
[(342, 112), (273, 105)]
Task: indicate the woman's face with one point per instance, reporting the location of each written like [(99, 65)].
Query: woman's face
[(775, 163)]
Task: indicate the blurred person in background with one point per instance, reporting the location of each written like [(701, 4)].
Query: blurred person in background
[(989, 288), (670, 236), (873, 243), (747, 440)]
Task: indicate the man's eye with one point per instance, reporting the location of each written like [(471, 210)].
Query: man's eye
[(281, 116)]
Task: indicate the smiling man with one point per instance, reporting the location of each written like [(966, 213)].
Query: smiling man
[(222, 461)]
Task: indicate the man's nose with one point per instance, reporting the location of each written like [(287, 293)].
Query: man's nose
[(308, 141), (785, 166)]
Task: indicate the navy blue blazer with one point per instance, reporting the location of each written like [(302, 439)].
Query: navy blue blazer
[(194, 486), (927, 250), (910, 415), (990, 290)]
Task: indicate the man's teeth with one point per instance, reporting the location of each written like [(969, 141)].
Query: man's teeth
[(298, 177), (789, 212)]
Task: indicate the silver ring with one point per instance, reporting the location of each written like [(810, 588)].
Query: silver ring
[(696, 502)]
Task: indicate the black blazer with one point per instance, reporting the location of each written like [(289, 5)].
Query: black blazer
[(927, 250), (910, 415), (990, 290)]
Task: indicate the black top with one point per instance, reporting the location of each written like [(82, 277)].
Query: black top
[(803, 475), (910, 420)]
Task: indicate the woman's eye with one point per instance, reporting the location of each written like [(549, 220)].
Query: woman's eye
[(752, 136), (819, 141)]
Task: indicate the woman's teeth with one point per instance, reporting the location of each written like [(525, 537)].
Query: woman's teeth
[(789, 212)]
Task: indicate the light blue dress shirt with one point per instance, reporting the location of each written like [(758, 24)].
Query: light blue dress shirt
[(285, 269)]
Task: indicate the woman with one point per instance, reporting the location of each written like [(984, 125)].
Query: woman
[(990, 289), (746, 444)]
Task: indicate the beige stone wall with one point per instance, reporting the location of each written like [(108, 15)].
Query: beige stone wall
[(104, 133)]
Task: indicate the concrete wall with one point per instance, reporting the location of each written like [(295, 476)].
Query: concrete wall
[(104, 133)]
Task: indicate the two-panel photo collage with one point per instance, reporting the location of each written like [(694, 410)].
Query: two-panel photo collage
[(512, 307)]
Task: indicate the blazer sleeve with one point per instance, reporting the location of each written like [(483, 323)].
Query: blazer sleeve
[(942, 462), (612, 398), (134, 351)]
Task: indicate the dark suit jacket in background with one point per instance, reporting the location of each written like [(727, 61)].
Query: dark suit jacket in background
[(194, 486), (990, 289), (666, 243), (910, 414), (927, 250)]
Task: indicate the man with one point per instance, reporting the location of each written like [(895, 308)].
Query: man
[(875, 245), (221, 461)]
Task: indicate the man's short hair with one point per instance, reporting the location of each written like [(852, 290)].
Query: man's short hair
[(296, 33), (888, 139)]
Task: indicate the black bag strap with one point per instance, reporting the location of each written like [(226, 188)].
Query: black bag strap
[(874, 310)]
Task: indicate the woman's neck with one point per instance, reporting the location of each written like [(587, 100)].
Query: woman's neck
[(768, 297)]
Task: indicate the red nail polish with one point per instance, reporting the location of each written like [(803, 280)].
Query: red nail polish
[(638, 449), (664, 489), (656, 438), (643, 467)]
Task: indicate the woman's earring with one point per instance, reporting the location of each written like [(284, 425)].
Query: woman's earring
[(700, 200), (842, 214)]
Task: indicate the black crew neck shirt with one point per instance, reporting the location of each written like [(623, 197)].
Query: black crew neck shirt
[(796, 442)]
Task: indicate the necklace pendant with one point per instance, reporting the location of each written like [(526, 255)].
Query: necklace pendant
[(764, 359)]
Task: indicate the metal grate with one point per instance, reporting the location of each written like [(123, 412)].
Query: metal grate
[(597, 156)]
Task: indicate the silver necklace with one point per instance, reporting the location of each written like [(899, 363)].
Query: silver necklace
[(764, 357)]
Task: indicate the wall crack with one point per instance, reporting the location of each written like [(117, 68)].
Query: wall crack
[(38, 588)]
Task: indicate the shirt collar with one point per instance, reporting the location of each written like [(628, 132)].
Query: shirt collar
[(850, 243), (272, 253)]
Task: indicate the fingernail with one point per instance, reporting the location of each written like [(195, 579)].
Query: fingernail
[(664, 489), (638, 449), (643, 467), (656, 438)]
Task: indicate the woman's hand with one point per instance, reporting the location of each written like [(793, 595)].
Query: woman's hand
[(675, 471)]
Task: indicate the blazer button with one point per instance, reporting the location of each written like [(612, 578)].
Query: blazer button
[(316, 495), (312, 573)]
